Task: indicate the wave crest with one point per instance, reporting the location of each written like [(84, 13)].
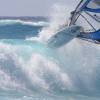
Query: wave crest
[(11, 22)]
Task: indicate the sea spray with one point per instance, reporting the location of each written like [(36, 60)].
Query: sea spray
[(58, 18)]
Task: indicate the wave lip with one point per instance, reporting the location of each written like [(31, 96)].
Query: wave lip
[(11, 22)]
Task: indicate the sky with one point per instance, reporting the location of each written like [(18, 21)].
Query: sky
[(31, 7)]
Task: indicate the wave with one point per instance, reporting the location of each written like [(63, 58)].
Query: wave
[(18, 65), (36, 68), (33, 68), (58, 19), (11, 22)]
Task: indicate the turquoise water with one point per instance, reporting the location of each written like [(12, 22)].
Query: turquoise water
[(30, 70)]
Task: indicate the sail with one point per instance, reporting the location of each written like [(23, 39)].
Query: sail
[(87, 14), (92, 6)]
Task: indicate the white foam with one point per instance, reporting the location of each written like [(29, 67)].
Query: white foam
[(35, 69), (8, 22), (58, 18), (82, 59), (78, 70)]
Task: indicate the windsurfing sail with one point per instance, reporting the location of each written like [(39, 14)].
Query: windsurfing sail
[(87, 15)]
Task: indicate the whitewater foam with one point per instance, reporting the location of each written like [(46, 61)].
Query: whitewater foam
[(11, 22), (43, 74), (32, 73)]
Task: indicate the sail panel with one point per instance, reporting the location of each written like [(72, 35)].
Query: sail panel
[(92, 6), (87, 15)]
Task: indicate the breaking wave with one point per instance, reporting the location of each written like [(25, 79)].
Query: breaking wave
[(33, 71), (11, 22), (35, 68)]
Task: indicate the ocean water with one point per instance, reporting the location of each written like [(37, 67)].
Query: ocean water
[(30, 70)]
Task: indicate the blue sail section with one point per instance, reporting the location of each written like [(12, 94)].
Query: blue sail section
[(92, 10), (95, 35)]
